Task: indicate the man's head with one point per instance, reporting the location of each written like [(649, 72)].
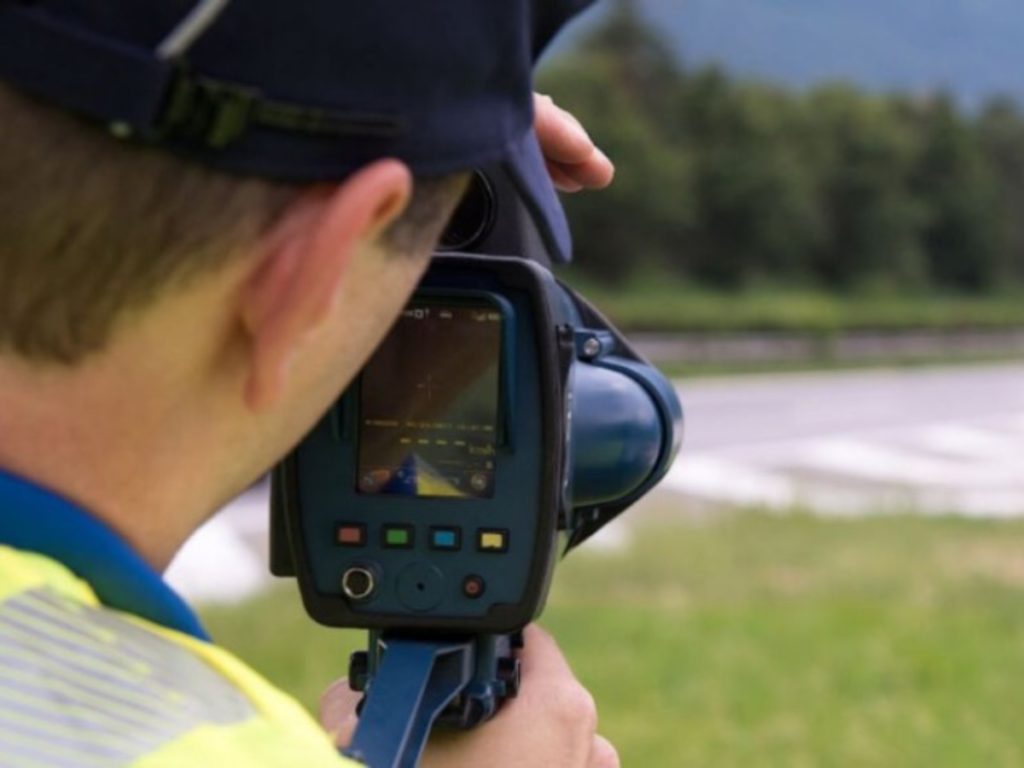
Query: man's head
[(178, 308), (241, 307)]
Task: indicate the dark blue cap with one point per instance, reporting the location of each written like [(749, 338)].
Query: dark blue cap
[(303, 91)]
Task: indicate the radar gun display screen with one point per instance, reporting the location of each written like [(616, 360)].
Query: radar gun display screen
[(429, 404)]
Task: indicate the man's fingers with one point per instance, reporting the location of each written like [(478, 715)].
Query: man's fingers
[(603, 754), (541, 657), (573, 160), (561, 136), (562, 180), (596, 173), (338, 712)]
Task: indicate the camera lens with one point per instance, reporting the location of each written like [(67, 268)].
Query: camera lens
[(473, 219)]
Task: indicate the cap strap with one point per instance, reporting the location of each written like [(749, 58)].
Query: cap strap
[(216, 113), (138, 94)]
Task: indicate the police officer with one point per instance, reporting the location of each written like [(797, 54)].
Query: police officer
[(210, 213)]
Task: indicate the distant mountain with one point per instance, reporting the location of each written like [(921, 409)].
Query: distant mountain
[(973, 48)]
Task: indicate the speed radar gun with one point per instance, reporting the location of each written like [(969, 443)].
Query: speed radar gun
[(502, 423)]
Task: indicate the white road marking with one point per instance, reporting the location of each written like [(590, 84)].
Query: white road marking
[(973, 469), (876, 462), (218, 564), (716, 479), (612, 539), (969, 443)]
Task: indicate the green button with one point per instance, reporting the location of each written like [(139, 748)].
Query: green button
[(397, 537)]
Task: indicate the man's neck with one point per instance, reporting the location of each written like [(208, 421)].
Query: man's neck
[(129, 435)]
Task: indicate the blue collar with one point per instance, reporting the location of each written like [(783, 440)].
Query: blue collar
[(38, 520)]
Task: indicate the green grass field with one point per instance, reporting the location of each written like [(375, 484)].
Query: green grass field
[(764, 641)]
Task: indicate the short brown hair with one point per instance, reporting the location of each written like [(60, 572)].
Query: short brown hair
[(92, 229)]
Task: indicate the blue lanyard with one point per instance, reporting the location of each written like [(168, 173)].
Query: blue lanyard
[(37, 520)]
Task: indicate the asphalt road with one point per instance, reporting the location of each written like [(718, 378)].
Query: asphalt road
[(945, 441), (931, 441)]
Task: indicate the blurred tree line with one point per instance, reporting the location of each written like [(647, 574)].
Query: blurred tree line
[(729, 183)]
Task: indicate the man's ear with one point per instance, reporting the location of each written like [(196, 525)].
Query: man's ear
[(295, 287)]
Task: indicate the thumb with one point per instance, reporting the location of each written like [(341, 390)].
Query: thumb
[(338, 712)]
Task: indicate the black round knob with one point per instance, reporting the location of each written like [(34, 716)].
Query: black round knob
[(358, 583)]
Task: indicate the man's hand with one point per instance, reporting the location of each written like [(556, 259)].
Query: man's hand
[(573, 160), (553, 721)]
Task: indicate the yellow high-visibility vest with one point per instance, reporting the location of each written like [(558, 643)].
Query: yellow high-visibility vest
[(87, 686)]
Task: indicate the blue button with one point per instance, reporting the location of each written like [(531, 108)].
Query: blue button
[(445, 538)]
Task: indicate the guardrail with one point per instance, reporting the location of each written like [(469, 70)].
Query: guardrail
[(765, 348)]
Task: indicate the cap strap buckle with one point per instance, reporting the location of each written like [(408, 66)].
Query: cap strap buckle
[(216, 113), (207, 111)]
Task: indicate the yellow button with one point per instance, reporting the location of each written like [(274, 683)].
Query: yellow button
[(493, 541)]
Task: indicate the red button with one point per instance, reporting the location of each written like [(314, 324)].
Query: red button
[(473, 587), (352, 535)]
